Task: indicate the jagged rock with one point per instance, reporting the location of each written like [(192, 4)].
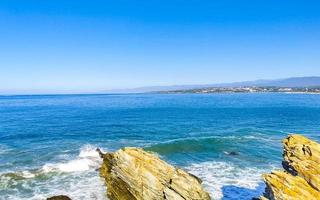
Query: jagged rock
[(133, 174), (303, 156), (301, 178), (282, 185), (59, 197)]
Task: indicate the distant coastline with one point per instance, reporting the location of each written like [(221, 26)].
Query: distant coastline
[(253, 89), (296, 84)]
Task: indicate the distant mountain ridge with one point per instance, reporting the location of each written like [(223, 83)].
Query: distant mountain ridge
[(310, 81)]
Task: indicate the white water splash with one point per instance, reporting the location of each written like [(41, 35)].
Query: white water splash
[(88, 158), (226, 181), (78, 178)]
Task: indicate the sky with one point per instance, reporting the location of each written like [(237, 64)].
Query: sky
[(65, 46)]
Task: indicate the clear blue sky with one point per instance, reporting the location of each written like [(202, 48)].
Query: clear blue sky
[(72, 46)]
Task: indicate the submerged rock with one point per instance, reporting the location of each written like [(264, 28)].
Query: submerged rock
[(231, 153), (59, 197), (301, 176), (133, 174)]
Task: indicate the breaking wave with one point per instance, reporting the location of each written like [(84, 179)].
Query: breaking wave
[(88, 158), (227, 181), (78, 178)]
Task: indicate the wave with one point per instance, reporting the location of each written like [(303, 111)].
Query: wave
[(188, 145), (227, 181), (77, 178), (77, 185), (204, 144), (87, 159)]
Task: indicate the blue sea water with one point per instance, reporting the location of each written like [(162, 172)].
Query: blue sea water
[(47, 142)]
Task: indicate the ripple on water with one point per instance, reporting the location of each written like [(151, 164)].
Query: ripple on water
[(4, 149)]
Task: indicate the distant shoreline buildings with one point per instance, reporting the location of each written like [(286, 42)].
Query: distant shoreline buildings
[(251, 89)]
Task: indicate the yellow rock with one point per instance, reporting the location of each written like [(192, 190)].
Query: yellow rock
[(284, 186), (301, 180), (133, 174), (303, 155)]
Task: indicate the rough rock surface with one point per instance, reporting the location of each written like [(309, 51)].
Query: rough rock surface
[(133, 174), (301, 178)]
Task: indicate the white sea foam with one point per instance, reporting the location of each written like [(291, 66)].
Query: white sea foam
[(86, 185), (226, 181), (78, 186), (88, 158), (27, 174), (78, 179)]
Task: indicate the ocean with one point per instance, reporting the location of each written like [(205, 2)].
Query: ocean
[(48, 142)]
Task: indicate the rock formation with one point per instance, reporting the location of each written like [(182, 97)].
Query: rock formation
[(133, 174), (301, 176)]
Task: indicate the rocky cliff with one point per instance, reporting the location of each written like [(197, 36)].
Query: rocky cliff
[(133, 174), (300, 178)]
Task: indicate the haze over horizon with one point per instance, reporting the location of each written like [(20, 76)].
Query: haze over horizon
[(81, 46)]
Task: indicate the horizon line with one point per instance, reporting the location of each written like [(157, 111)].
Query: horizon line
[(26, 92)]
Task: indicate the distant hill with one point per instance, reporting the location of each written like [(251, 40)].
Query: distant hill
[(311, 81)]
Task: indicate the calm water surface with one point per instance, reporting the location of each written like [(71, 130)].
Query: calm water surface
[(47, 143)]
